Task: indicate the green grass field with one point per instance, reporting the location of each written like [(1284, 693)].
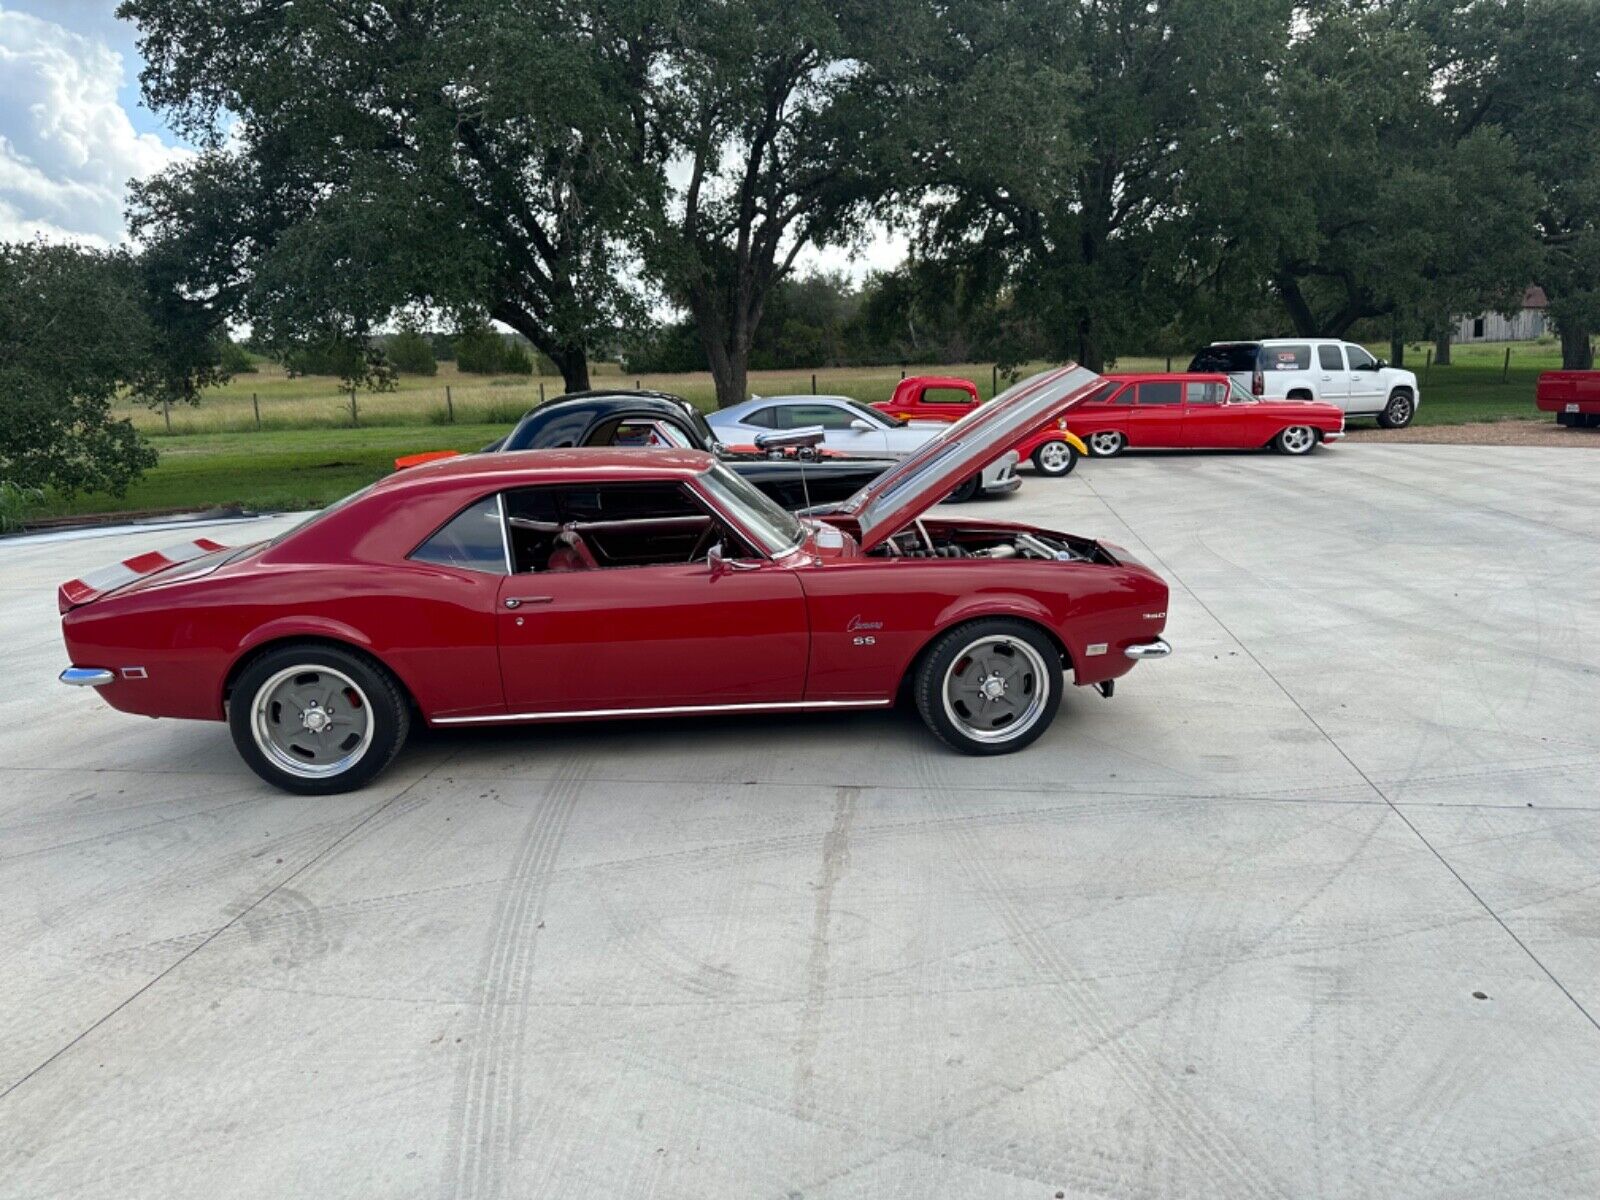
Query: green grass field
[(306, 451)]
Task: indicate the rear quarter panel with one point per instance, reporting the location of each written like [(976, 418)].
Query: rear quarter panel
[(870, 617), (434, 627)]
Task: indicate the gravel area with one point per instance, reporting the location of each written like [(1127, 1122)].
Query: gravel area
[(1485, 433)]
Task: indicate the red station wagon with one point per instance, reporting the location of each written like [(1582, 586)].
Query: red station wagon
[(565, 585), (1197, 412)]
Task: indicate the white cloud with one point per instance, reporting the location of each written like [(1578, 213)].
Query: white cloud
[(67, 146)]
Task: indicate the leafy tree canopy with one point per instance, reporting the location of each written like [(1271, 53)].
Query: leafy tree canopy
[(74, 332)]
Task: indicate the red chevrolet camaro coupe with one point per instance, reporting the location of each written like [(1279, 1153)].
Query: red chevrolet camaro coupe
[(576, 584)]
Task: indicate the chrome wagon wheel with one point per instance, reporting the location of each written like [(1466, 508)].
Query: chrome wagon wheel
[(1297, 439), (312, 721), (996, 689), (1107, 443), (1054, 458)]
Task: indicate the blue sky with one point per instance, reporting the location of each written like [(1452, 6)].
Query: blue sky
[(72, 130)]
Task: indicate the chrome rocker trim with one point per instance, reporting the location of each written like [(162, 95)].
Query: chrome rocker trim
[(87, 676), (784, 706), (1142, 650)]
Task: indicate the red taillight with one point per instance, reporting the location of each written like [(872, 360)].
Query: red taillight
[(1258, 383)]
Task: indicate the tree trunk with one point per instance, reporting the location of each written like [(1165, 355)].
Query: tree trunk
[(1091, 355), (1577, 353), (1397, 350), (1294, 300), (1441, 349), (573, 363)]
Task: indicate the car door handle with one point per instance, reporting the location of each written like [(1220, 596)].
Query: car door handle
[(519, 601)]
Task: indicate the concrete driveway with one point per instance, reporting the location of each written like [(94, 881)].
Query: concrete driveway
[(1310, 909)]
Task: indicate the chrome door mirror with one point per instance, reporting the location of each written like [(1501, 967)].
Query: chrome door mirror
[(721, 565)]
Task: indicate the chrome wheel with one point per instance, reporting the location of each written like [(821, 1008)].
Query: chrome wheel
[(312, 721), (1397, 415), (1297, 439), (996, 689), (1055, 458), (1106, 443)]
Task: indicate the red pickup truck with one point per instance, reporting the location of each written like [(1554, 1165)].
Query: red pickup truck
[(1574, 397), (1054, 450)]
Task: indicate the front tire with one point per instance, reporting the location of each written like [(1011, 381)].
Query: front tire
[(316, 720), (1055, 459), (1107, 444), (1398, 412), (1296, 440), (965, 492), (990, 686)]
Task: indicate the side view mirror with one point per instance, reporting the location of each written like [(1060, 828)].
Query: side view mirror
[(1379, 365), (861, 426), (720, 564)]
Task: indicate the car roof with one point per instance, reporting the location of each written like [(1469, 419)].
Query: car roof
[(1177, 376), (517, 467), (759, 402)]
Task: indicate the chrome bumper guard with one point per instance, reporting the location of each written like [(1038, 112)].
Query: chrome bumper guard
[(1142, 650), (87, 676)]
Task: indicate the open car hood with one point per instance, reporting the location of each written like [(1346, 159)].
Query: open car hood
[(902, 494)]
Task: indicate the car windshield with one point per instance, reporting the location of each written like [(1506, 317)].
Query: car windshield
[(778, 531)]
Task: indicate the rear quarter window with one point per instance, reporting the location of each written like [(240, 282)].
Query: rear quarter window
[(1226, 360), (1285, 358), (473, 540)]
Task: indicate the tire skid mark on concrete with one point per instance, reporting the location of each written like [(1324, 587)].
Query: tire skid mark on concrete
[(835, 857), (1218, 1155), (484, 1117)]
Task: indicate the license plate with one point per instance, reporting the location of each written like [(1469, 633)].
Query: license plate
[(1572, 408)]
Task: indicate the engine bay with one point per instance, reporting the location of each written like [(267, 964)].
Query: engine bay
[(919, 541)]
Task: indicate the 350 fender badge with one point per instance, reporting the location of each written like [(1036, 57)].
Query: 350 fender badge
[(1160, 616)]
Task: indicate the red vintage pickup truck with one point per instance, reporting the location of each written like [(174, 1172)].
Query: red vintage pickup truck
[(1574, 397), (1054, 450)]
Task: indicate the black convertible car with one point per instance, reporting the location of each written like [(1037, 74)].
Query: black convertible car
[(794, 478)]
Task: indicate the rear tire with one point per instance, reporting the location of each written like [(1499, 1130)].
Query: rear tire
[(317, 720), (1296, 440), (1397, 413), (1055, 459), (1107, 443), (990, 686)]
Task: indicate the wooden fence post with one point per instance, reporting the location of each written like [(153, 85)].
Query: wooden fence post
[(449, 405), (994, 381), (1427, 364), (1506, 370), (166, 413), (1169, 364), (813, 383), (355, 416), (541, 392), (255, 403)]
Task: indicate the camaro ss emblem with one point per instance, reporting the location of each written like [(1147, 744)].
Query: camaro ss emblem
[(856, 624)]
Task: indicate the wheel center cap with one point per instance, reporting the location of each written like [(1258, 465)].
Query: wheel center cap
[(994, 687), (315, 720)]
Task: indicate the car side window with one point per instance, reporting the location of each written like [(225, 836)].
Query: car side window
[(1360, 360), (1108, 394), (1159, 393), (1205, 393), (1329, 358), (587, 527), (938, 395), (798, 416), (473, 539), (764, 418), (650, 432), (1286, 358)]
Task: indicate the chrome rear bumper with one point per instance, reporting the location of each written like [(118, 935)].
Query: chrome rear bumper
[(87, 676), (1142, 650)]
